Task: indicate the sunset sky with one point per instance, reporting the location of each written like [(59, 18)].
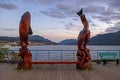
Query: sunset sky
[(57, 20)]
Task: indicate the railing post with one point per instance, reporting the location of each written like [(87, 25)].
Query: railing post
[(97, 54), (61, 55), (48, 55), (36, 56), (119, 54), (73, 55)]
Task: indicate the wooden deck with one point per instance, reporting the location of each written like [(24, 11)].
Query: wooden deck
[(109, 71)]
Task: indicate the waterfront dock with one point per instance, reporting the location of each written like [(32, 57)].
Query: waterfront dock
[(110, 71)]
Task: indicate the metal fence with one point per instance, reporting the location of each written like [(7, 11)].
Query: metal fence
[(63, 55)]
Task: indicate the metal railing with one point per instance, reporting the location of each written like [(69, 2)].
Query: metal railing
[(63, 55)]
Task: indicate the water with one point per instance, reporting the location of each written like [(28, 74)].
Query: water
[(58, 52), (67, 47)]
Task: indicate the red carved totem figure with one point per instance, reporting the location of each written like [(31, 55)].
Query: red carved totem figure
[(83, 53), (24, 31)]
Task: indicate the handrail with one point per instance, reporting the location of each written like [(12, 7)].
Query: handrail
[(62, 54), (63, 50)]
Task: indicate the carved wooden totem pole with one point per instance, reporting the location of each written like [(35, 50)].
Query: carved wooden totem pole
[(83, 53), (24, 31)]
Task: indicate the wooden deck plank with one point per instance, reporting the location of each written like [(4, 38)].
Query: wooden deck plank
[(108, 69), (60, 72), (103, 72), (114, 71)]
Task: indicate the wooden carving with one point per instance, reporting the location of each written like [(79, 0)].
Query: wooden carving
[(83, 53), (24, 31)]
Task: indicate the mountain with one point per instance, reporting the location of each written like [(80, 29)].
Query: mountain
[(9, 39), (68, 42), (33, 39), (106, 39), (101, 39), (40, 39)]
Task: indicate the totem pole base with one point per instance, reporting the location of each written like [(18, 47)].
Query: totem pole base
[(26, 62), (24, 66), (84, 60), (27, 66), (87, 66)]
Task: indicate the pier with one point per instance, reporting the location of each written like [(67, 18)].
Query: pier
[(109, 71), (61, 65)]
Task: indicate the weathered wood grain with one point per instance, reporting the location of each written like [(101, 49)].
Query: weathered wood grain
[(109, 71)]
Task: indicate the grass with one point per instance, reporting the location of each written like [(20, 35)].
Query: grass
[(5, 51)]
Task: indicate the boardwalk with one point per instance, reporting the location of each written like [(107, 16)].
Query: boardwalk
[(110, 71)]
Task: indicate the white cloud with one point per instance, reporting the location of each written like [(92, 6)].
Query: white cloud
[(115, 28)]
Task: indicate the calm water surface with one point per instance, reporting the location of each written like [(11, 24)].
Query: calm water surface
[(68, 47)]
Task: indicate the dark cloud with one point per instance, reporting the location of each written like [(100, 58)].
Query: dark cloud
[(47, 1), (103, 10), (115, 28), (8, 6), (93, 25), (61, 10), (62, 21), (68, 9), (8, 29), (115, 4), (94, 9), (107, 19), (62, 7), (75, 19), (42, 2), (53, 14), (28, 1), (72, 26), (110, 13)]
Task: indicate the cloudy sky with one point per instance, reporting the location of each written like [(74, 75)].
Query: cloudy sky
[(57, 19)]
